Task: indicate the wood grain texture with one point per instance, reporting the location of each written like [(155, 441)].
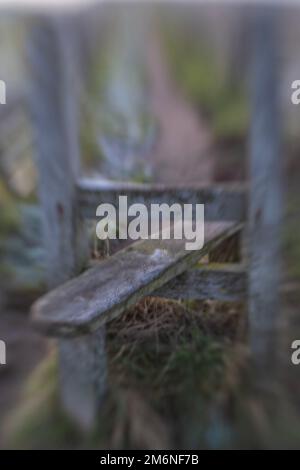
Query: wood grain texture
[(265, 199), (100, 294), (222, 202), (53, 105), (83, 377)]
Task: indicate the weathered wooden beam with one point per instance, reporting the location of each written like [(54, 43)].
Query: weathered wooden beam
[(222, 202), (53, 104), (265, 198), (54, 112), (224, 282), (83, 377), (102, 293)]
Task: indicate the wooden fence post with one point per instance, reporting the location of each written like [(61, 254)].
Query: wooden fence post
[(53, 104), (265, 204)]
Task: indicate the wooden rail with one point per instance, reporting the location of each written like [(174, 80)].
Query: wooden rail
[(222, 202), (225, 282)]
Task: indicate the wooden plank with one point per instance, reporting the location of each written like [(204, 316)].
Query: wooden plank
[(222, 202), (224, 282), (103, 292), (265, 201)]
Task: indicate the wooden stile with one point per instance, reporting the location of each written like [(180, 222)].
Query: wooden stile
[(76, 310)]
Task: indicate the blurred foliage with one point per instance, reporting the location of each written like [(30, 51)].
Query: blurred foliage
[(206, 85), (9, 217), (90, 152), (291, 237), (21, 251), (114, 111), (43, 423)]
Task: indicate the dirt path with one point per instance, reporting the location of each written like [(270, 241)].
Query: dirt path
[(183, 153)]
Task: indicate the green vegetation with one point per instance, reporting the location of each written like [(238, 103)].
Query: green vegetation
[(206, 86), (291, 236), (21, 253), (9, 219), (113, 108)]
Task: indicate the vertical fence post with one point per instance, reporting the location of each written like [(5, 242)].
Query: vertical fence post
[(265, 204), (53, 104), (54, 111)]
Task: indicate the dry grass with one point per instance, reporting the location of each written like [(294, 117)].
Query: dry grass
[(174, 359), (168, 320)]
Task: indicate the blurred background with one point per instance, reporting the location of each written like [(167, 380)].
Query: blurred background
[(163, 93)]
